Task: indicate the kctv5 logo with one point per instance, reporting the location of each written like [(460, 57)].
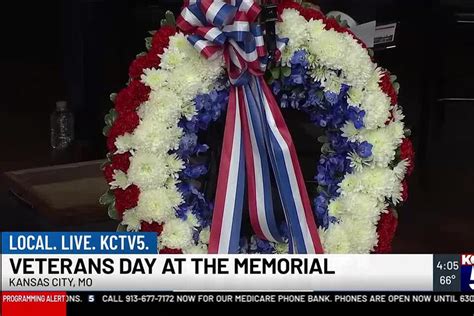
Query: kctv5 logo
[(467, 272)]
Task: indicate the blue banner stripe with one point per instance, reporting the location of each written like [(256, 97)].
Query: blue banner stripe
[(286, 196), (296, 240), (255, 116), (239, 203)]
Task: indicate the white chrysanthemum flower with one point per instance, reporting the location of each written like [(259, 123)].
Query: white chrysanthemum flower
[(351, 183), (177, 234), (120, 180), (363, 235), (376, 182), (397, 190), (281, 247), (188, 110), (148, 170), (163, 106), (174, 164), (172, 58), (204, 235), (358, 163), (329, 48), (132, 220), (292, 27), (376, 105), (400, 169), (124, 143), (187, 83), (156, 137), (350, 132), (335, 239), (356, 206), (158, 204), (355, 96), (397, 114), (198, 249), (373, 83), (385, 142), (155, 78)]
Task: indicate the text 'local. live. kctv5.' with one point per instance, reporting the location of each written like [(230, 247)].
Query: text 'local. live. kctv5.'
[(168, 154)]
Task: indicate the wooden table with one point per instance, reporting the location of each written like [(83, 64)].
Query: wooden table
[(64, 194)]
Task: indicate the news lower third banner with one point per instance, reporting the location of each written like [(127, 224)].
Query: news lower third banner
[(76, 262)]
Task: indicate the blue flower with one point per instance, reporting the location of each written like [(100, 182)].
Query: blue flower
[(195, 171), (331, 97), (364, 149), (276, 87), (356, 116), (258, 245), (187, 145), (299, 58)]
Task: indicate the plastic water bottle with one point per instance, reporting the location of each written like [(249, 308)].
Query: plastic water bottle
[(62, 126)]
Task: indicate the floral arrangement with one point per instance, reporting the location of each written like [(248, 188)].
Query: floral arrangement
[(154, 164)]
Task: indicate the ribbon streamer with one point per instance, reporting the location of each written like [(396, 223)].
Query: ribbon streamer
[(256, 138)]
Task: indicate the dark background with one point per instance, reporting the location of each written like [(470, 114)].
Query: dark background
[(79, 50)]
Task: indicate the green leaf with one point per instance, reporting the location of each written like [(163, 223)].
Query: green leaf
[(275, 72), (107, 198), (148, 42), (141, 54), (170, 18), (268, 77), (152, 33), (323, 139), (113, 96), (108, 119), (113, 114), (105, 130), (393, 78), (326, 148), (286, 71), (121, 228), (396, 86), (113, 214), (371, 52)]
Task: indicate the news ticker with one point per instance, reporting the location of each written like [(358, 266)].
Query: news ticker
[(87, 262)]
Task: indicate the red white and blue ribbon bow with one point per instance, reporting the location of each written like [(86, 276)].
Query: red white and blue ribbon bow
[(256, 138)]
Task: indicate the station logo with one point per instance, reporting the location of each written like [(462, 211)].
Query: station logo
[(467, 272)]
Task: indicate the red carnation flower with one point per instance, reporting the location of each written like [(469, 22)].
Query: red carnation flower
[(332, 24), (311, 13), (123, 124), (387, 87), (126, 199), (404, 190), (150, 60), (161, 39), (170, 251), (288, 4), (386, 231), (109, 173), (153, 227), (121, 161), (407, 152), (130, 97)]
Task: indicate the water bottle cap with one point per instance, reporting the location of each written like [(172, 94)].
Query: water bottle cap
[(61, 105)]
